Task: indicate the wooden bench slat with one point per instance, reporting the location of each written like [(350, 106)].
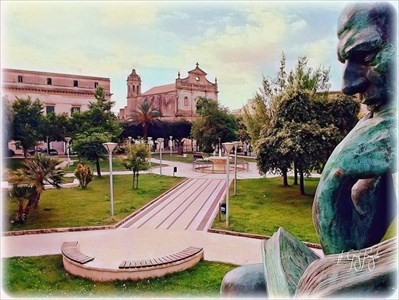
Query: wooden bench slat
[(71, 251), (167, 259)]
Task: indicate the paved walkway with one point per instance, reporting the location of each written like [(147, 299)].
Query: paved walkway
[(191, 206)]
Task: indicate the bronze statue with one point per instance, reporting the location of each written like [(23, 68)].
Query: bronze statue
[(355, 201)]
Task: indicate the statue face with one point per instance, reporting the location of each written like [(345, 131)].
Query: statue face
[(368, 52)]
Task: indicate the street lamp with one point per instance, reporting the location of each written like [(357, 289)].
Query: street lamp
[(149, 147), (110, 147), (160, 142), (170, 144), (130, 140), (68, 139), (235, 166), (220, 147), (228, 147)]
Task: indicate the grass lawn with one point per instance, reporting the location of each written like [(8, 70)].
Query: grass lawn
[(45, 276), (104, 165), (90, 206), (263, 205)]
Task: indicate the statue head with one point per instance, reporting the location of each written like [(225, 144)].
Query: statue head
[(367, 47)]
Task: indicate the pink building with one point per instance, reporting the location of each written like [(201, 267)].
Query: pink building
[(59, 93), (174, 101)]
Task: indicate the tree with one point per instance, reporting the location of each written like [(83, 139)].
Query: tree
[(26, 122), (305, 121), (93, 127), (90, 147), (136, 160), (29, 182), (6, 125), (55, 127), (144, 116), (213, 122)]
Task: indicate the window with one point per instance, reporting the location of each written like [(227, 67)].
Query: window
[(49, 81), (49, 109), (20, 78), (185, 101), (133, 88), (95, 84), (75, 83), (75, 109)]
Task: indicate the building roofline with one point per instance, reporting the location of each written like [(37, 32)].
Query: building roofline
[(55, 74)]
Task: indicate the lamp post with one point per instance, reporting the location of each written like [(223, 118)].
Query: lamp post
[(228, 147), (170, 144), (149, 147), (235, 166), (160, 141), (68, 139), (130, 140), (220, 147), (110, 147)]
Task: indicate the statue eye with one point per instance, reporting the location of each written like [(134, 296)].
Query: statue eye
[(364, 57)]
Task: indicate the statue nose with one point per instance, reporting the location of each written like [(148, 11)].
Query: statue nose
[(354, 81)]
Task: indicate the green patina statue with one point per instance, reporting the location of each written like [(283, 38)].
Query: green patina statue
[(355, 200)]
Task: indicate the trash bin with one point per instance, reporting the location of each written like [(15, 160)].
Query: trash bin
[(223, 208)]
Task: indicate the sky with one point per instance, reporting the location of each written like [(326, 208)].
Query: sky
[(235, 41)]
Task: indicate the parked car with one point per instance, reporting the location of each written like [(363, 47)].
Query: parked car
[(9, 153), (51, 151), (32, 151)]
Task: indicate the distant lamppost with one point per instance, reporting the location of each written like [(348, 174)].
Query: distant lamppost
[(68, 139), (47, 145), (110, 147), (160, 142), (171, 144), (235, 166), (149, 147), (228, 147), (220, 147), (130, 140)]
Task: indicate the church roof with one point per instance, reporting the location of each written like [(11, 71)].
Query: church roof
[(160, 89), (198, 70)]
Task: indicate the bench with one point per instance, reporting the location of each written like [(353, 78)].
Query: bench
[(197, 156), (187, 253), (70, 250)]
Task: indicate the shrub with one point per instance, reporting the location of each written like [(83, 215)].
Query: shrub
[(84, 174)]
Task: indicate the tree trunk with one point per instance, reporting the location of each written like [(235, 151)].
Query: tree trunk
[(285, 178), (98, 167), (137, 180), (145, 130), (301, 183), (295, 174), (134, 175)]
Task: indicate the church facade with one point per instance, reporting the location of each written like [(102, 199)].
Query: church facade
[(174, 101)]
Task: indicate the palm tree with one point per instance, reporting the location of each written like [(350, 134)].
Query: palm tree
[(144, 115), (37, 172)]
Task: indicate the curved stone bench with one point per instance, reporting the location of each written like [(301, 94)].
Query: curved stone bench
[(71, 251), (75, 263), (190, 252)]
